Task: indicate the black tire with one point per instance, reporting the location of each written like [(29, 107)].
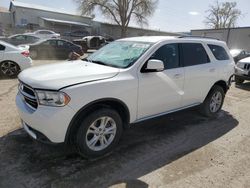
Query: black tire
[(239, 80), (205, 108), (81, 138), (9, 69)]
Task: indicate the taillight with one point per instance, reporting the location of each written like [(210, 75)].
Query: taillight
[(26, 53)]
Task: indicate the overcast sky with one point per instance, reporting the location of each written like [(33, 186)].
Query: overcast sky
[(170, 15)]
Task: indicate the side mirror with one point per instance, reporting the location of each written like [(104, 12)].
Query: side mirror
[(154, 65)]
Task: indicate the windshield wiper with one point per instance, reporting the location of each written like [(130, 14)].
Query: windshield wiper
[(86, 59), (102, 63)]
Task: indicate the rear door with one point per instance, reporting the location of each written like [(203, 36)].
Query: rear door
[(200, 72), (63, 49)]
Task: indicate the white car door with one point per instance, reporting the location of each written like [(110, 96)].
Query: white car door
[(200, 72), (160, 92)]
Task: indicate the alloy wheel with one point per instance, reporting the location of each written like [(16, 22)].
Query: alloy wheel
[(216, 102), (9, 68), (101, 133)]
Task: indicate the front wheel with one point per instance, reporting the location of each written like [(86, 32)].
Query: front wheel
[(99, 133), (213, 102)]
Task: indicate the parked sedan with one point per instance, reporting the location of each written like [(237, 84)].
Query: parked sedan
[(54, 48), (45, 34), (20, 39), (13, 59)]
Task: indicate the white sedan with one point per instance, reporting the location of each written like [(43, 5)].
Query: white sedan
[(13, 59), (45, 34)]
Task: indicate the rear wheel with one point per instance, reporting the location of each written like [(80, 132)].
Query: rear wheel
[(213, 102), (9, 69), (99, 133), (238, 80)]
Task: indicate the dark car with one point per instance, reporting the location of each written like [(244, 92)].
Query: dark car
[(92, 42), (54, 48), (239, 54), (21, 39)]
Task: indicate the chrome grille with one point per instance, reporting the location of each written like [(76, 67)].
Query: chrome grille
[(28, 95), (247, 66)]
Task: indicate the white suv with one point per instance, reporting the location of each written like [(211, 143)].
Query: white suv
[(89, 103)]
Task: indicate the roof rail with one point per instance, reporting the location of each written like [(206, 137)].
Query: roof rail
[(194, 36)]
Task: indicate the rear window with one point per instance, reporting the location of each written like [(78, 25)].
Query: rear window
[(219, 52)]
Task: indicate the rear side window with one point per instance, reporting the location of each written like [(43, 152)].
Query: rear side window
[(219, 52), (194, 54), (2, 48), (45, 32)]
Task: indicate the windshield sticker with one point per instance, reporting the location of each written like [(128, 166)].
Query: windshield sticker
[(140, 45)]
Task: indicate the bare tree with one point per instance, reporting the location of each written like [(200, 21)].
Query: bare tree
[(120, 11), (222, 15)]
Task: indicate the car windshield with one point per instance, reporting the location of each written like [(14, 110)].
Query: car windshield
[(121, 54)]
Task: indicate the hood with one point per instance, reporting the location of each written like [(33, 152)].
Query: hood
[(59, 75), (245, 60)]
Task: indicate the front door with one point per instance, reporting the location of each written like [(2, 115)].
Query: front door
[(160, 92)]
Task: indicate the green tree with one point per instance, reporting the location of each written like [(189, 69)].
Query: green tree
[(222, 15), (120, 11)]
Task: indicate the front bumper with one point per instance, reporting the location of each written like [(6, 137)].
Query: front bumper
[(242, 73), (52, 122)]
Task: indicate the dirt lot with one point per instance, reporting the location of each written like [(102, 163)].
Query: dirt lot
[(179, 150)]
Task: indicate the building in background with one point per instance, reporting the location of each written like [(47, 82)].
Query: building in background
[(236, 38), (24, 17), (4, 20)]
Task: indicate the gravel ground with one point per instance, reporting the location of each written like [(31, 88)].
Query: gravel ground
[(183, 149)]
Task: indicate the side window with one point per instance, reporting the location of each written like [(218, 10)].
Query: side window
[(19, 37), (50, 42), (219, 52), (2, 48), (45, 32), (194, 54), (61, 43), (169, 54)]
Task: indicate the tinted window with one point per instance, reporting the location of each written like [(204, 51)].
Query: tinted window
[(169, 54), (61, 43), (45, 32), (194, 54), (19, 37), (50, 42), (31, 38), (2, 47), (219, 52)]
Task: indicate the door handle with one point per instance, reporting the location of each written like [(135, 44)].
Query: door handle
[(212, 70), (176, 76)]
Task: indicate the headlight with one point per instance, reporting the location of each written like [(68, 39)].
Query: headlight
[(52, 98), (240, 65)]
